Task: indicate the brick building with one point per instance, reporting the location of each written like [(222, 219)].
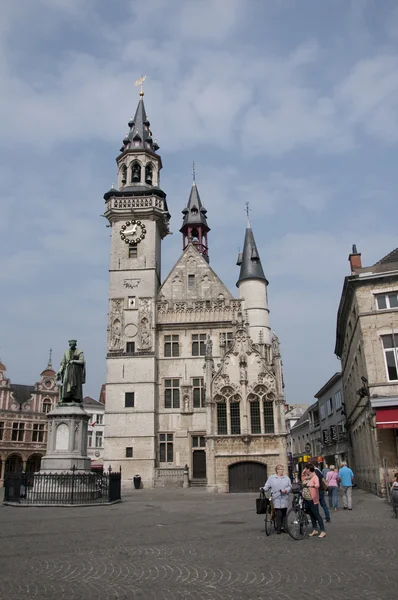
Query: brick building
[(23, 422), (367, 344)]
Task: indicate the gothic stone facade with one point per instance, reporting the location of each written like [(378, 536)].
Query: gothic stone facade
[(192, 376)]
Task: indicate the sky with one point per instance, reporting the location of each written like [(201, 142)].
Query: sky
[(289, 105)]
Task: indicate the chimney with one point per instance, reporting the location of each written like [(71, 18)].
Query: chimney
[(355, 259)]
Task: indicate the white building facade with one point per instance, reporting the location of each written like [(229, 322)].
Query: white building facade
[(194, 376), (95, 432)]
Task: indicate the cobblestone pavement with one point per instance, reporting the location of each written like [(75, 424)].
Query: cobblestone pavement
[(192, 545)]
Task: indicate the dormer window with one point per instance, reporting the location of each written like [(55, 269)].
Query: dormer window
[(148, 174), (135, 172), (124, 174)]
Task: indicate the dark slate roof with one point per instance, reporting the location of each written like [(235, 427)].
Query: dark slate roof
[(194, 213), (140, 134), (392, 257), (302, 420), (249, 260), (22, 393), (88, 401)]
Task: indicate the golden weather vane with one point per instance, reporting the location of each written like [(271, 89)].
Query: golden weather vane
[(140, 82)]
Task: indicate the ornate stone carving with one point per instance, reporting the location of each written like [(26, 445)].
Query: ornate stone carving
[(145, 320), (131, 283), (276, 352), (116, 319)]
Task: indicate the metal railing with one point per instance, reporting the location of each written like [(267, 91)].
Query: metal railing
[(62, 488)]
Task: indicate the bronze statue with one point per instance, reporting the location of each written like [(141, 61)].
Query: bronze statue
[(72, 373)]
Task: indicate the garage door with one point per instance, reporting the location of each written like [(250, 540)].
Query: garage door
[(247, 476)]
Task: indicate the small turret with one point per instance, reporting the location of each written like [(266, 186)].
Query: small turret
[(252, 285), (195, 228)]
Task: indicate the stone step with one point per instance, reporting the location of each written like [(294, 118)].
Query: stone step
[(198, 483)]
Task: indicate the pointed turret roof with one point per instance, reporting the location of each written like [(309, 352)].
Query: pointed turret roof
[(139, 135), (249, 260), (194, 213)]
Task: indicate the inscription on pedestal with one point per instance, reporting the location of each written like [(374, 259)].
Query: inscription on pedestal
[(62, 438)]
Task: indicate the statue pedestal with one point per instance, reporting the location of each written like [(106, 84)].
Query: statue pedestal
[(67, 440)]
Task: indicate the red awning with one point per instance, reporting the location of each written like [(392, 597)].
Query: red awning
[(387, 418)]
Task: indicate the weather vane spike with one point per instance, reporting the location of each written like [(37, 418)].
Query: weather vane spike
[(248, 210), (193, 172), (140, 82), (50, 357)]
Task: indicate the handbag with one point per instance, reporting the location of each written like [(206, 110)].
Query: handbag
[(306, 493), (324, 485), (261, 505)]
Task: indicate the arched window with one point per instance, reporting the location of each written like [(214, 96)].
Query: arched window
[(269, 425), (135, 172), (228, 412), (46, 405), (124, 174), (148, 174), (222, 428), (255, 417)]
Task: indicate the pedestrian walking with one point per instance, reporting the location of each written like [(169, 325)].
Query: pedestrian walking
[(280, 486), (310, 491), (346, 480), (322, 500), (325, 470), (332, 479)]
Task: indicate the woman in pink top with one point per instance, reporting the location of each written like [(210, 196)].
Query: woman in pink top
[(311, 480), (333, 487)]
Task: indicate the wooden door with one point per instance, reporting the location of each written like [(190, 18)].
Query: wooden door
[(199, 464), (247, 476)]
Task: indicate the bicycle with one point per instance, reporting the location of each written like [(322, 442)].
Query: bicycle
[(269, 519), (296, 518)]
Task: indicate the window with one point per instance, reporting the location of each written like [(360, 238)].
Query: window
[(222, 418), (46, 405), (390, 352), (269, 425), (124, 174), (172, 393), (129, 400), (100, 419), (199, 344), (135, 172), (129, 452), (1, 429), (133, 251), (89, 439), (333, 433), (322, 411), (385, 301), (18, 431), (337, 400), (130, 347), (165, 447), (235, 417), (255, 418), (131, 302), (148, 174), (98, 439), (198, 392), (330, 406), (38, 432), (341, 430), (191, 282), (326, 437), (198, 441), (171, 345), (226, 340)]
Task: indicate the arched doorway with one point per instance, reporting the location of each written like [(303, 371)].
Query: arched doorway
[(247, 476), (33, 463), (14, 464)]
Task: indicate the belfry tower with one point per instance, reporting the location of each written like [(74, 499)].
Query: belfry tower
[(139, 219)]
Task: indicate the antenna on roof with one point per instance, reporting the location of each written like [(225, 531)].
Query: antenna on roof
[(193, 172)]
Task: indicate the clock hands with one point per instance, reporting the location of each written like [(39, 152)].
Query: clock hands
[(132, 231)]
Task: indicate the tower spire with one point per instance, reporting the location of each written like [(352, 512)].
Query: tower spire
[(249, 259), (194, 227)]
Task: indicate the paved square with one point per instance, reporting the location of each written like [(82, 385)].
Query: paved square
[(190, 544)]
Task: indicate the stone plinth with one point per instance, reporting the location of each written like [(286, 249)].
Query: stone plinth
[(67, 440)]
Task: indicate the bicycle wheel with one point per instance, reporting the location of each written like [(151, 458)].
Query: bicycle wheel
[(297, 523), (268, 520)]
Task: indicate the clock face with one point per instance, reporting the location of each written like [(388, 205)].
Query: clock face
[(133, 232)]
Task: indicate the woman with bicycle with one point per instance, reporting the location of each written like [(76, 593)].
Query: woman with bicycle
[(280, 486), (310, 481)]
